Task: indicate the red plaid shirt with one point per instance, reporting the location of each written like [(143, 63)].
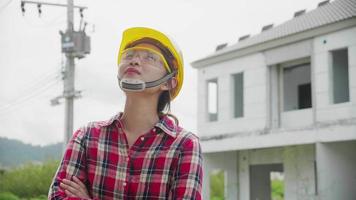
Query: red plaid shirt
[(164, 163)]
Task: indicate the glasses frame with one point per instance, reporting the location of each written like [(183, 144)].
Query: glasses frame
[(165, 64)]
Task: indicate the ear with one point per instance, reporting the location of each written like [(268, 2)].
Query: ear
[(170, 84)]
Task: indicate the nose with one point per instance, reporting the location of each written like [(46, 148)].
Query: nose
[(135, 60)]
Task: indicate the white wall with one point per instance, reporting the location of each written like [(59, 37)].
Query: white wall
[(289, 52), (297, 118), (326, 110), (254, 69), (336, 164)]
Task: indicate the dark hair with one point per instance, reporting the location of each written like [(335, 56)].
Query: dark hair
[(164, 102), (164, 106)]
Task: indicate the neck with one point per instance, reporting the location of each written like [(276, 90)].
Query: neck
[(140, 113)]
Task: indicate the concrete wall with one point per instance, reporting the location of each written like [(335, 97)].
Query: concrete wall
[(298, 166), (325, 171), (289, 52), (325, 109), (299, 172), (254, 72), (336, 164), (227, 161), (244, 175)]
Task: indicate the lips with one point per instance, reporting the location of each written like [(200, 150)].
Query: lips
[(132, 70)]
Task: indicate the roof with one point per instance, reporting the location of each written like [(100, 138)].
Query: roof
[(335, 11)]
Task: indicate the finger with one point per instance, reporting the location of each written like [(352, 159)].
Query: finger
[(71, 189), (69, 194), (64, 186), (71, 183), (83, 188), (77, 180)]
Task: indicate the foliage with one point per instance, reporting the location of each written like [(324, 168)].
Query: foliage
[(8, 196), (277, 189), (30, 181), (217, 185)]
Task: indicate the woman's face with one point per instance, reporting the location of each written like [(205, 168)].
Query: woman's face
[(141, 64)]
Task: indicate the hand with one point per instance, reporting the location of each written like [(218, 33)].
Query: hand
[(74, 188)]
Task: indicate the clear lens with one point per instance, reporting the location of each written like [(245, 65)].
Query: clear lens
[(146, 56)]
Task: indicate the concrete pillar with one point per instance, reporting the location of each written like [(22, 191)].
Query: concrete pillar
[(336, 164)]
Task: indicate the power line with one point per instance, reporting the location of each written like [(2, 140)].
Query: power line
[(6, 4), (34, 86), (53, 74), (37, 88), (31, 87), (28, 98)]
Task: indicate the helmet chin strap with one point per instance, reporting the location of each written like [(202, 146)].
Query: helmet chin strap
[(139, 85)]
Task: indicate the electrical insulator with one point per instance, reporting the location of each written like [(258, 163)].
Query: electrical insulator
[(23, 8), (39, 9)]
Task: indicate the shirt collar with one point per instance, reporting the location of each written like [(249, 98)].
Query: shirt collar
[(166, 124)]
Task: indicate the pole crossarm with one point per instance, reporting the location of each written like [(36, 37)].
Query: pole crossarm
[(52, 4)]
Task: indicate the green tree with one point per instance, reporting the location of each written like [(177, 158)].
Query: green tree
[(217, 186), (277, 189)]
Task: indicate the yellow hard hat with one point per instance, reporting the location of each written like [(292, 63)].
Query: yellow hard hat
[(135, 34)]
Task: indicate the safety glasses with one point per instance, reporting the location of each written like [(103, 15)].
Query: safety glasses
[(146, 56)]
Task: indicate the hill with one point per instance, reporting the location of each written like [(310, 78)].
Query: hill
[(14, 152)]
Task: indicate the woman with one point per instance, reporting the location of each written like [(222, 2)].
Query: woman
[(140, 153)]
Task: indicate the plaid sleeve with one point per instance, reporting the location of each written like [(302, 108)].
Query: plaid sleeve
[(189, 174), (72, 164)]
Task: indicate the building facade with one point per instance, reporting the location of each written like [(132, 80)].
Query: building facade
[(282, 105)]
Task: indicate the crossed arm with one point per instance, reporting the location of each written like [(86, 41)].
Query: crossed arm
[(68, 181), (71, 170)]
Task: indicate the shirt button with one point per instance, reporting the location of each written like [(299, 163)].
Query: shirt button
[(127, 159), (142, 138), (124, 183), (154, 129)]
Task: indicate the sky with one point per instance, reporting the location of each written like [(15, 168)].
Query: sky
[(31, 60)]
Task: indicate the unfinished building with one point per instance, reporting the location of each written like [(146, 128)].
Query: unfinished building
[(282, 105)]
